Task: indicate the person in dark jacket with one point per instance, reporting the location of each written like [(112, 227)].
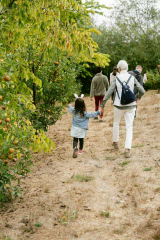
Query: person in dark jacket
[(137, 74)]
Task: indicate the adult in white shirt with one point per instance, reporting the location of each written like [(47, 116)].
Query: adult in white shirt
[(128, 110)]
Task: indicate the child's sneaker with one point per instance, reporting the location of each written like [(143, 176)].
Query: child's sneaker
[(95, 118), (80, 151), (75, 153)]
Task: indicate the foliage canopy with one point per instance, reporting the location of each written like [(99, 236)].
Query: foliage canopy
[(133, 36)]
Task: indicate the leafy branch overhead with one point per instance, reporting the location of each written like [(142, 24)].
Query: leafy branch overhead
[(49, 24), (95, 7)]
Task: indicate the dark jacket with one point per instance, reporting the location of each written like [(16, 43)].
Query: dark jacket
[(139, 78)]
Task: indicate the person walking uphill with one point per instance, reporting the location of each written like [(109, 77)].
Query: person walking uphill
[(80, 123), (99, 85), (137, 74), (112, 76), (120, 108)]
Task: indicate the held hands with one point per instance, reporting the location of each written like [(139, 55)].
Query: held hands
[(137, 99), (101, 110), (91, 99)]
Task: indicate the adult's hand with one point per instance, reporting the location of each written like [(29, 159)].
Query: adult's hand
[(91, 99), (137, 100), (102, 110)]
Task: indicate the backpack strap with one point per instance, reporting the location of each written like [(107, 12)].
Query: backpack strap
[(118, 94), (121, 84), (129, 79), (119, 80)]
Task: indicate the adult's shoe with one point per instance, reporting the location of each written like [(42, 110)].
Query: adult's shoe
[(115, 145), (127, 153)]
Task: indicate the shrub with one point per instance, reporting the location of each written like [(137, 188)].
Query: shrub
[(153, 81)]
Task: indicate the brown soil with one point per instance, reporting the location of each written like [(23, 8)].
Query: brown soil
[(127, 191)]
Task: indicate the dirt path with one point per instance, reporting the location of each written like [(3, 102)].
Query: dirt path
[(118, 199)]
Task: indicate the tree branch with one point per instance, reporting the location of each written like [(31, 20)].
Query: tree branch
[(11, 3), (158, 69)]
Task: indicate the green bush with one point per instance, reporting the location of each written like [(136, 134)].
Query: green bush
[(153, 81)]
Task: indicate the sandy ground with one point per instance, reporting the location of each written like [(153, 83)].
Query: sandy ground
[(118, 199)]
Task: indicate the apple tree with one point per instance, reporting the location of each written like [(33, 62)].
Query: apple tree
[(43, 47)]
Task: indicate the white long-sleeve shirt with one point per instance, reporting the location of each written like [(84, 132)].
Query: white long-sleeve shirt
[(123, 76), (145, 78), (112, 77)]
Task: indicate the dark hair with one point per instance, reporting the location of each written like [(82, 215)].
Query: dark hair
[(80, 106), (115, 70), (99, 69)]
